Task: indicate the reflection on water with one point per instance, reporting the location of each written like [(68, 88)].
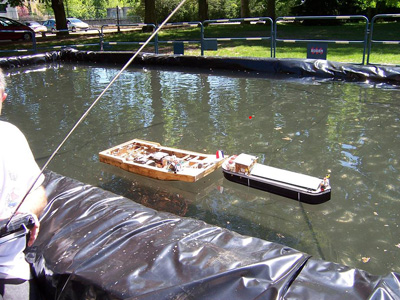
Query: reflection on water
[(312, 127)]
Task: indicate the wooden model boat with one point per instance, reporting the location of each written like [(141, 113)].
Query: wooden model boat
[(153, 160), (244, 169)]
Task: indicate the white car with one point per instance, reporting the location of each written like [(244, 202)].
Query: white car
[(36, 26), (75, 24)]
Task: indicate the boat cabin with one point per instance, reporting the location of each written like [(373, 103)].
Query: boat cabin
[(244, 163)]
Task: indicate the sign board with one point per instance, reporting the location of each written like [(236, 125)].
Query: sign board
[(210, 45), (178, 48), (317, 50)]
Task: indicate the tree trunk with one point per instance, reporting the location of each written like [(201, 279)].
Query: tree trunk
[(59, 14), (203, 10), (150, 12), (244, 8), (271, 9)]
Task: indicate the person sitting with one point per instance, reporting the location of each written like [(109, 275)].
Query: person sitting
[(18, 172)]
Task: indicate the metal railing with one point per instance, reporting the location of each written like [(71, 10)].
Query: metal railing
[(205, 40), (355, 17), (73, 45), (141, 25), (371, 35), (181, 24), (367, 40)]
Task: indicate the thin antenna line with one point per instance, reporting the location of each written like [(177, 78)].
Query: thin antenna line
[(93, 104)]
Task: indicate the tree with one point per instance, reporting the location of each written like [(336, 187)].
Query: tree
[(150, 12), (203, 10), (59, 15), (244, 8), (271, 9)]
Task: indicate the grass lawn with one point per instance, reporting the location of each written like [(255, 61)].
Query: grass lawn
[(350, 49)]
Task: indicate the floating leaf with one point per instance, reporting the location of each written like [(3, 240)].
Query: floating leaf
[(365, 259)]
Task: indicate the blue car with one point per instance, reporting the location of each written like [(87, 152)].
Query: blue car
[(50, 25)]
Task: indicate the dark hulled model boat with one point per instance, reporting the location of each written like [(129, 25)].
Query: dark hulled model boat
[(244, 169)]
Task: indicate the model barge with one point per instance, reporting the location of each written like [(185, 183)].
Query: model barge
[(244, 169), (153, 160)]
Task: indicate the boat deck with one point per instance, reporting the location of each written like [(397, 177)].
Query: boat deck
[(287, 177)]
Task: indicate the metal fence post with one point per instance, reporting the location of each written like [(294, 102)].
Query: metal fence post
[(371, 33), (202, 39), (101, 39), (34, 42), (155, 40)]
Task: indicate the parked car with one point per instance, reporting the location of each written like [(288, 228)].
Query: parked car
[(9, 24), (76, 24), (50, 25), (36, 26), (73, 24)]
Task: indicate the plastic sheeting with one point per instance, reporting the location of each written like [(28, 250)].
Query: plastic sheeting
[(96, 245), (26, 60), (294, 67)]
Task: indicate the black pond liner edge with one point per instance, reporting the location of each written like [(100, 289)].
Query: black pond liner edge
[(272, 66), (94, 244)]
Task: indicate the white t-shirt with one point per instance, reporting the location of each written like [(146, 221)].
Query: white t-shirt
[(18, 170)]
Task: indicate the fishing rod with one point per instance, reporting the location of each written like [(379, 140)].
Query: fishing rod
[(80, 120)]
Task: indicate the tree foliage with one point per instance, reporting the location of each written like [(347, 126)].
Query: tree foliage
[(217, 9), (224, 9), (317, 8), (345, 7), (220, 9)]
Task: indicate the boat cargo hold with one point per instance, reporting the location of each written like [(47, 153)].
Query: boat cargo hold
[(153, 160), (244, 169)]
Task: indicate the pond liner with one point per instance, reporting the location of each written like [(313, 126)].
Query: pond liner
[(94, 244), (299, 68), (27, 60), (294, 67)]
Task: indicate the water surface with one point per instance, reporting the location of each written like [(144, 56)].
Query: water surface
[(314, 127)]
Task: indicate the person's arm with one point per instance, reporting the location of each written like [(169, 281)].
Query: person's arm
[(34, 203)]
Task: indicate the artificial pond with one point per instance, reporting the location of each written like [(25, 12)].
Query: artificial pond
[(308, 125)]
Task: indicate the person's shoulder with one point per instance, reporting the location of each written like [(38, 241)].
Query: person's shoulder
[(6, 125), (8, 130)]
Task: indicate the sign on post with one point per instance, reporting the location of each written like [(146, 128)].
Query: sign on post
[(210, 45), (178, 48), (317, 50)]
